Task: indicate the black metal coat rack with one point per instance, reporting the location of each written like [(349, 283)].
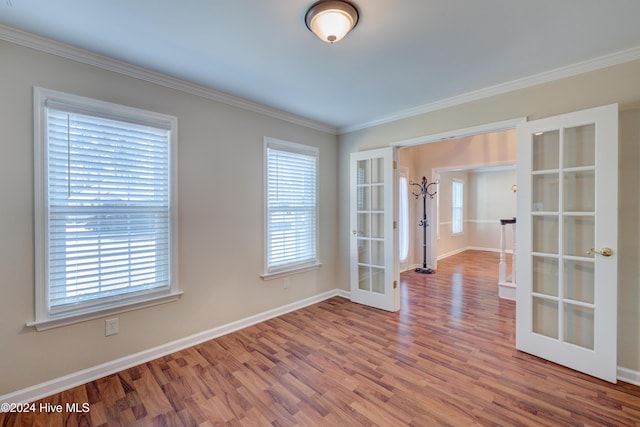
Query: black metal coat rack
[(425, 190)]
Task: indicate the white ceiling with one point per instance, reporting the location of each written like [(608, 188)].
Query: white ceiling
[(403, 56)]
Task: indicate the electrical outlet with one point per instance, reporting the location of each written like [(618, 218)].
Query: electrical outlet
[(111, 327), (286, 283)]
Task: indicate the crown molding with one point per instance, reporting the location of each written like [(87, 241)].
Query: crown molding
[(499, 89), (64, 50)]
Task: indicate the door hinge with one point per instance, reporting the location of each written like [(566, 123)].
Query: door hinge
[(395, 224), (395, 165), (395, 284)]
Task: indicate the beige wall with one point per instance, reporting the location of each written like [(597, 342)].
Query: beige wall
[(614, 84), (220, 220), (490, 200), (447, 242), (628, 241)]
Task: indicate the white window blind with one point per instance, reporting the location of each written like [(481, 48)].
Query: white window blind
[(457, 206), (106, 206), (291, 205)]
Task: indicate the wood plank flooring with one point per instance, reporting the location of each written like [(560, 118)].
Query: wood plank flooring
[(447, 358)]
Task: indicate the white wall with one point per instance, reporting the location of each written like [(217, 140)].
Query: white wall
[(220, 180)]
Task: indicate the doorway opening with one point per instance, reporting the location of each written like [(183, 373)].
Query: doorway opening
[(480, 163)]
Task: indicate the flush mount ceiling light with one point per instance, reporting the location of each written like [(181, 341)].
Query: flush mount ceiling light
[(331, 20)]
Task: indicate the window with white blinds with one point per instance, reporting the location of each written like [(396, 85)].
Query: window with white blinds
[(291, 194), (104, 201)]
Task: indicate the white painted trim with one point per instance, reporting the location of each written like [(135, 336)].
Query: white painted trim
[(451, 253), (594, 64), (628, 376), (63, 50), (45, 324), (507, 291), (344, 294), (470, 248), (479, 248), (291, 272), (484, 221), (75, 379), (472, 168), (462, 133)]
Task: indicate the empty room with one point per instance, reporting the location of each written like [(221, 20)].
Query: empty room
[(214, 212)]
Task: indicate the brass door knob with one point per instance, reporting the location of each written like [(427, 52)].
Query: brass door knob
[(603, 251)]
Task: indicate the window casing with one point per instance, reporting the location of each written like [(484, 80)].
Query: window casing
[(105, 193), (291, 208), (457, 206)]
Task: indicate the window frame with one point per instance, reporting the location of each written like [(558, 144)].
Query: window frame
[(454, 207), (44, 319), (298, 266)]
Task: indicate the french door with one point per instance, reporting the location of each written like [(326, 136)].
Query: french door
[(567, 233), (373, 249)]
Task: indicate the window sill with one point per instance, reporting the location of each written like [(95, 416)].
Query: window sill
[(290, 272), (43, 325)]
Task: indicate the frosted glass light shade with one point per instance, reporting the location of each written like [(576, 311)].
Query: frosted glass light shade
[(331, 20)]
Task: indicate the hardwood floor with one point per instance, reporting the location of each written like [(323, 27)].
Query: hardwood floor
[(447, 358)]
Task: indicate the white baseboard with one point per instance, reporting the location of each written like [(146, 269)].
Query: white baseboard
[(342, 293), (451, 253), (628, 376), (414, 266), (470, 248), (507, 291), (478, 248), (75, 379)]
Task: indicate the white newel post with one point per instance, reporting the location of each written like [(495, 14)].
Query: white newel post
[(513, 255), (507, 285)]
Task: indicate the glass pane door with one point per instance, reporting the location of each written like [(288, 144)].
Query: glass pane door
[(373, 264), (566, 293)]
